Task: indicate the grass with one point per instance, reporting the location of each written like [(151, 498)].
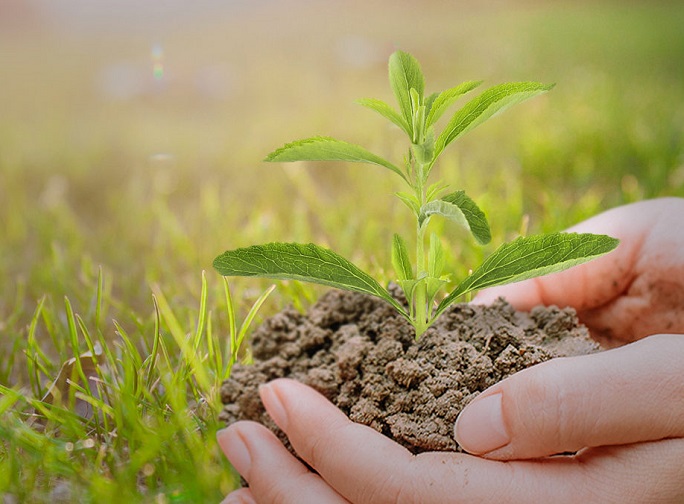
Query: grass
[(111, 207), (131, 417)]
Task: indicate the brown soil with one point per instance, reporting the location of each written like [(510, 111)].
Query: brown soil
[(364, 357)]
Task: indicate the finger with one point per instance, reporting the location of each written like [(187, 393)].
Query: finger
[(273, 474), (597, 282), (621, 396), (353, 458), (366, 467), (646, 472)]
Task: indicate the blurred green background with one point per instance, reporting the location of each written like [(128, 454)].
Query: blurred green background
[(131, 140), (131, 134)]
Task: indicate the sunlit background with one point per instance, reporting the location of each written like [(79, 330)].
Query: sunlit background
[(131, 140), (131, 133)]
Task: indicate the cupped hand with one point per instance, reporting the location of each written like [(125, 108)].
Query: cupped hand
[(622, 410), (635, 291), (619, 412)]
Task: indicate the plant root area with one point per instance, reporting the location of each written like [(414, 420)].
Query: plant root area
[(364, 357)]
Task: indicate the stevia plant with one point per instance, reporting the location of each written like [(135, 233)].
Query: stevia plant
[(423, 280)]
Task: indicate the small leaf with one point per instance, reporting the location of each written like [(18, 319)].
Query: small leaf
[(408, 286), (400, 259), (405, 74), (494, 100), (424, 152), (436, 260), (385, 110), (459, 208), (429, 101), (444, 100), (328, 149), (410, 201), (532, 256), (436, 188), (432, 286), (477, 221), (306, 263)]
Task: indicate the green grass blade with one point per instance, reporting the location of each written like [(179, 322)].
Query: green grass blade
[(99, 297), (328, 149), (78, 372), (307, 263), (159, 344), (34, 353), (214, 348), (151, 362), (494, 100), (247, 323), (385, 110), (202, 316), (405, 74), (532, 256), (446, 98), (190, 357), (232, 324)]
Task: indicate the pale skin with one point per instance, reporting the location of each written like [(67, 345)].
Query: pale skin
[(620, 411)]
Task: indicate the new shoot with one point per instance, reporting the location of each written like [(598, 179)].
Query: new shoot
[(423, 278)]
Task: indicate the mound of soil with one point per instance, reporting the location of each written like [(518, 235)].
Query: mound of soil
[(359, 353)]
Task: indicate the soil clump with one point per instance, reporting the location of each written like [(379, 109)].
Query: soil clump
[(363, 356)]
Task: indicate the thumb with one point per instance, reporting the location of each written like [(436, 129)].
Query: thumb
[(626, 395)]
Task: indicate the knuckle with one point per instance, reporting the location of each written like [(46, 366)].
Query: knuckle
[(546, 408), (294, 491), (389, 489), (316, 451), (320, 447)]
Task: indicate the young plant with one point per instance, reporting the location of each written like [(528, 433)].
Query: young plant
[(423, 280)]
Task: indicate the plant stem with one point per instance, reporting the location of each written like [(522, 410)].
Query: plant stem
[(420, 322)]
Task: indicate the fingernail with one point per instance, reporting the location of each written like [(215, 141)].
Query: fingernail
[(480, 428), (269, 393), (235, 449)]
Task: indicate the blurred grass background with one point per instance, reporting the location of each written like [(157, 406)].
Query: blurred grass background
[(131, 137), (102, 164)]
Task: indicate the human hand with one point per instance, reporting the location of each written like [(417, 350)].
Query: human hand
[(635, 291), (622, 410)]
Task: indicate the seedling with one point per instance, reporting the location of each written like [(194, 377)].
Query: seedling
[(423, 280)]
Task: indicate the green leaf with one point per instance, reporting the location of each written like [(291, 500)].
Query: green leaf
[(477, 221), (459, 208), (424, 152), (432, 287), (410, 201), (328, 149), (408, 286), (307, 263), (478, 110), (444, 100), (385, 110), (532, 256), (436, 260), (429, 101), (435, 189), (405, 74), (400, 259)]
